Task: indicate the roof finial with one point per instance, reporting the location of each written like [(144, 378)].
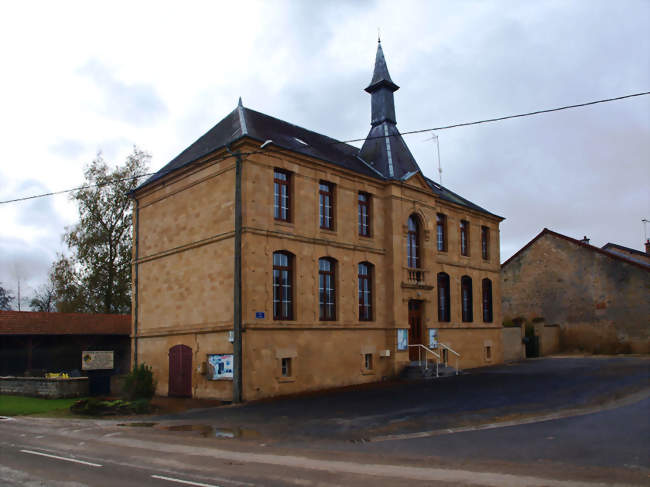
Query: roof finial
[(240, 104), (378, 36)]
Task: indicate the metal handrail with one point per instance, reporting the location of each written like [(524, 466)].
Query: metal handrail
[(449, 348), (444, 345), (426, 349)]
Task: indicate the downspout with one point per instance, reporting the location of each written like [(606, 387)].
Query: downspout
[(136, 284), (237, 315)]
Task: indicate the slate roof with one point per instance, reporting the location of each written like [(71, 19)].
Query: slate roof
[(448, 195), (632, 254), (380, 75), (384, 154), (37, 323), (246, 122), (389, 154)]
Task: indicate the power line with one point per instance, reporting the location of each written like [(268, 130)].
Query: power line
[(88, 186), (99, 185), (507, 117), (419, 131)]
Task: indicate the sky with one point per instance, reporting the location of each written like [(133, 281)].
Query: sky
[(81, 78)]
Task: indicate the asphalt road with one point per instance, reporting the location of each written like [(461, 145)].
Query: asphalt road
[(608, 446), (483, 395)]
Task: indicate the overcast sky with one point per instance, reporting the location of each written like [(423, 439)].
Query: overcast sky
[(84, 77)]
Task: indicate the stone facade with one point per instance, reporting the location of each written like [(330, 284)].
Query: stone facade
[(601, 301), (184, 260)]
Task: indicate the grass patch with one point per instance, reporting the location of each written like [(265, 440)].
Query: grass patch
[(22, 405)]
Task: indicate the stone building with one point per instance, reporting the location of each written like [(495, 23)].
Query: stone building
[(270, 259), (600, 299)]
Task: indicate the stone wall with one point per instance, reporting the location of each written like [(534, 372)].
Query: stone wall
[(513, 347), (42, 387), (601, 303), (549, 338)]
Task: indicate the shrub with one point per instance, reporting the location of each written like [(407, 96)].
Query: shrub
[(99, 407), (139, 383)]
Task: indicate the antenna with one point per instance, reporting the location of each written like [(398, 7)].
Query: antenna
[(435, 137)]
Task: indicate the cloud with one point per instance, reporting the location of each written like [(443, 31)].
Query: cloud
[(68, 148), (136, 103)]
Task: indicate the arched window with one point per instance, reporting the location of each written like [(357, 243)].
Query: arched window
[(466, 298), (444, 304), (413, 243), (282, 286), (327, 289), (365, 291), (487, 300)]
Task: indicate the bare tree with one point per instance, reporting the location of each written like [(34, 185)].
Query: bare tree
[(44, 298), (5, 299)]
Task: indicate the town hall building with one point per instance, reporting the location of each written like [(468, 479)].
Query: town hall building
[(270, 260)]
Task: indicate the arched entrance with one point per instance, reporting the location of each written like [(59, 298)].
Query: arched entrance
[(180, 371)]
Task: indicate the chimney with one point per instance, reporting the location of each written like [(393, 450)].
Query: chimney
[(647, 246), (585, 240)]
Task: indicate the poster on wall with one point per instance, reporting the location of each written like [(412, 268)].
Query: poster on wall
[(220, 366), (402, 339), (433, 338)]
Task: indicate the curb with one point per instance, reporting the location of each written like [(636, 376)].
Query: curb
[(568, 413)]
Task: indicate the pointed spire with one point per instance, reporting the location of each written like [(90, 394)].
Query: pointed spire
[(381, 89), (240, 104), (381, 77), (384, 147)]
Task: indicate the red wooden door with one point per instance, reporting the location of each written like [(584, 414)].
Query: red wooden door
[(180, 371), (415, 327)]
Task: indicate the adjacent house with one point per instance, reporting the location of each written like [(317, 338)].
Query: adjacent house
[(270, 259), (599, 297)]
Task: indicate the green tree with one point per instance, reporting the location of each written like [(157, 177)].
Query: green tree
[(5, 299), (96, 278)]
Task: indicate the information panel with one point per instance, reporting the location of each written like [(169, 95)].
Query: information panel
[(402, 339), (97, 360), (220, 366), (433, 338)]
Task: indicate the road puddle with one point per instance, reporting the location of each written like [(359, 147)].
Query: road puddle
[(209, 431), (138, 425)]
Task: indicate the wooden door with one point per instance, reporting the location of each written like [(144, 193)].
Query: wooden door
[(415, 327), (180, 371)]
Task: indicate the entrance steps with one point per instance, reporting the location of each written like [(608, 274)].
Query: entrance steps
[(415, 371)]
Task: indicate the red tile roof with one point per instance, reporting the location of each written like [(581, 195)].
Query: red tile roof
[(37, 323)]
